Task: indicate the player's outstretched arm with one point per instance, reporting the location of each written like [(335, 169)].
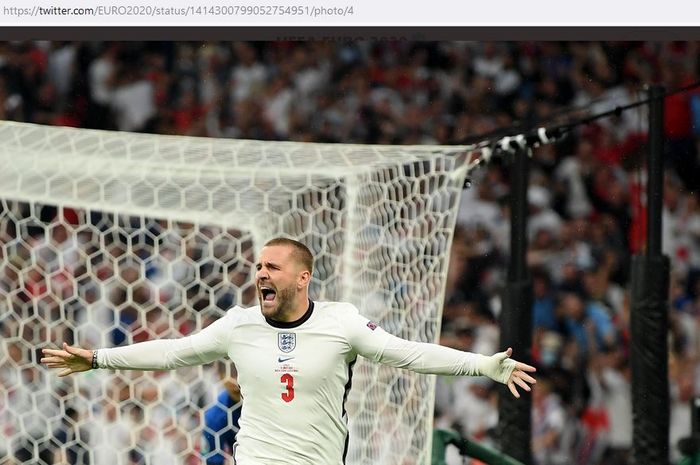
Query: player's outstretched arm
[(199, 348), (503, 369), (69, 359), (370, 341)]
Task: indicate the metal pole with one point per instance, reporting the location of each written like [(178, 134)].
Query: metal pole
[(516, 317), (649, 314), (655, 170), (520, 175)]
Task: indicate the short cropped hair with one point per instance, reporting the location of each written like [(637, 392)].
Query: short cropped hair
[(300, 251)]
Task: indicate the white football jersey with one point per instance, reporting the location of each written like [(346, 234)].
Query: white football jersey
[(294, 377)]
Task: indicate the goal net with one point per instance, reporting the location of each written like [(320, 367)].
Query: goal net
[(112, 238)]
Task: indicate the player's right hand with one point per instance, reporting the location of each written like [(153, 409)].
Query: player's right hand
[(69, 359)]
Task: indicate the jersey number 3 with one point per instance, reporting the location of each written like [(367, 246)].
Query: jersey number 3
[(288, 381)]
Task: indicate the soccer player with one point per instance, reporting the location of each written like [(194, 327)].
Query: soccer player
[(294, 358), (221, 419)]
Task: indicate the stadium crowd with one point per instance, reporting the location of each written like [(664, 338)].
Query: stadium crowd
[(586, 201)]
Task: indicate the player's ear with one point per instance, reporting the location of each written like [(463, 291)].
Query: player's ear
[(304, 278)]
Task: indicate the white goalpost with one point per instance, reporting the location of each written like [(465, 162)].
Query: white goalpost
[(111, 237)]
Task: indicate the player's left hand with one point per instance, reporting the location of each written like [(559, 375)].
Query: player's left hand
[(519, 376), (510, 372)]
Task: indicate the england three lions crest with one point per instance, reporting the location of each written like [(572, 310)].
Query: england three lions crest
[(286, 341)]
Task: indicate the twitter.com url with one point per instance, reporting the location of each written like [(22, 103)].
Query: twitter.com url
[(184, 11)]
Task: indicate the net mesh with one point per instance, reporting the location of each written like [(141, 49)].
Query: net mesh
[(114, 238)]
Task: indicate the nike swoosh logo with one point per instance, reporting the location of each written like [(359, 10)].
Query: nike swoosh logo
[(283, 359)]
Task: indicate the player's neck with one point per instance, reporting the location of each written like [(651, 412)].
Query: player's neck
[(301, 306), (296, 312)]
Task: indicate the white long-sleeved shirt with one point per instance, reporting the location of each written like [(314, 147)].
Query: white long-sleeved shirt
[(294, 377)]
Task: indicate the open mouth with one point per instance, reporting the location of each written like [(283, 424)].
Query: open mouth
[(268, 294)]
